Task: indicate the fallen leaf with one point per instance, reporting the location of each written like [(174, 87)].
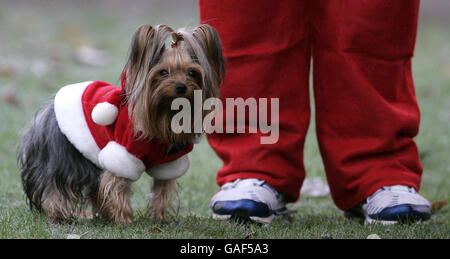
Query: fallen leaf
[(446, 70), (7, 71), (73, 35), (155, 230), (437, 205), (9, 96), (427, 92), (248, 236), (343, 218), (424, 154)]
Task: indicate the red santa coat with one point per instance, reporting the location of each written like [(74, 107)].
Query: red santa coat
[(94, 117)]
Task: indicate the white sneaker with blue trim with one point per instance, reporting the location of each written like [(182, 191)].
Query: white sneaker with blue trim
[(393, 204), (248, 199)]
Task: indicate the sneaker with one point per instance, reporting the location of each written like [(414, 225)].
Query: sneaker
[(393, 204), (248, 199)]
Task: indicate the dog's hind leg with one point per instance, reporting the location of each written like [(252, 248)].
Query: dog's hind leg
[(113, 200), (57, 207), (57, 179)]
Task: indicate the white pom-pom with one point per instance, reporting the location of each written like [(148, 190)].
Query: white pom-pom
[(104, 114), (170, 170)]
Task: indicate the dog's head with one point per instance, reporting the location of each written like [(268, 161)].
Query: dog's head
[(158, 72)]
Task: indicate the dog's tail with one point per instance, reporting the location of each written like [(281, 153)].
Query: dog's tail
[(54, 173)]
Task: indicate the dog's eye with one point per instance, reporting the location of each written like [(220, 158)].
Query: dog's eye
[(192, 73), (163, 72)]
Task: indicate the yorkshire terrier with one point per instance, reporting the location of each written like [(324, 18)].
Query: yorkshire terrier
[(86, 145)]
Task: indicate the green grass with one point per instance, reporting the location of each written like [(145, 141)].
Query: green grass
[(50, 33)]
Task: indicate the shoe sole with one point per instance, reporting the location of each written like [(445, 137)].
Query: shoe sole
[(243, 210), (405, 213), (370, 221), (240, 217)]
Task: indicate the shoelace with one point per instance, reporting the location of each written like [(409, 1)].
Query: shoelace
[(280, 211), (231, 184), (391, 188)]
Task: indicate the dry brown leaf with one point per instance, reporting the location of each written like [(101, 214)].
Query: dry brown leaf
[(446, 70), (7, 71), (437, 205), (343, 218), (155, 230), (249, 235), (9, 96), (73, 35)]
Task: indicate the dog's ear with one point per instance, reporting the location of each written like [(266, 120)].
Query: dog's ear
[(209, 40), (147, 46), (141, 43)]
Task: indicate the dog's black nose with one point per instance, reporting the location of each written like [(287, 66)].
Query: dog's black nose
[(180, 88)]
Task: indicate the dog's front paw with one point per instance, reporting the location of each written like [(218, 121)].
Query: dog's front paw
[(116, 214), (160, 198), (117, 217)]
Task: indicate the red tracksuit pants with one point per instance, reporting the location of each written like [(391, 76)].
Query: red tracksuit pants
[(365, 105)]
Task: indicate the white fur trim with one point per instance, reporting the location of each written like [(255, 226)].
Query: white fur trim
[(115, 158), (104, 113), (71, 121), (170, 170)]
